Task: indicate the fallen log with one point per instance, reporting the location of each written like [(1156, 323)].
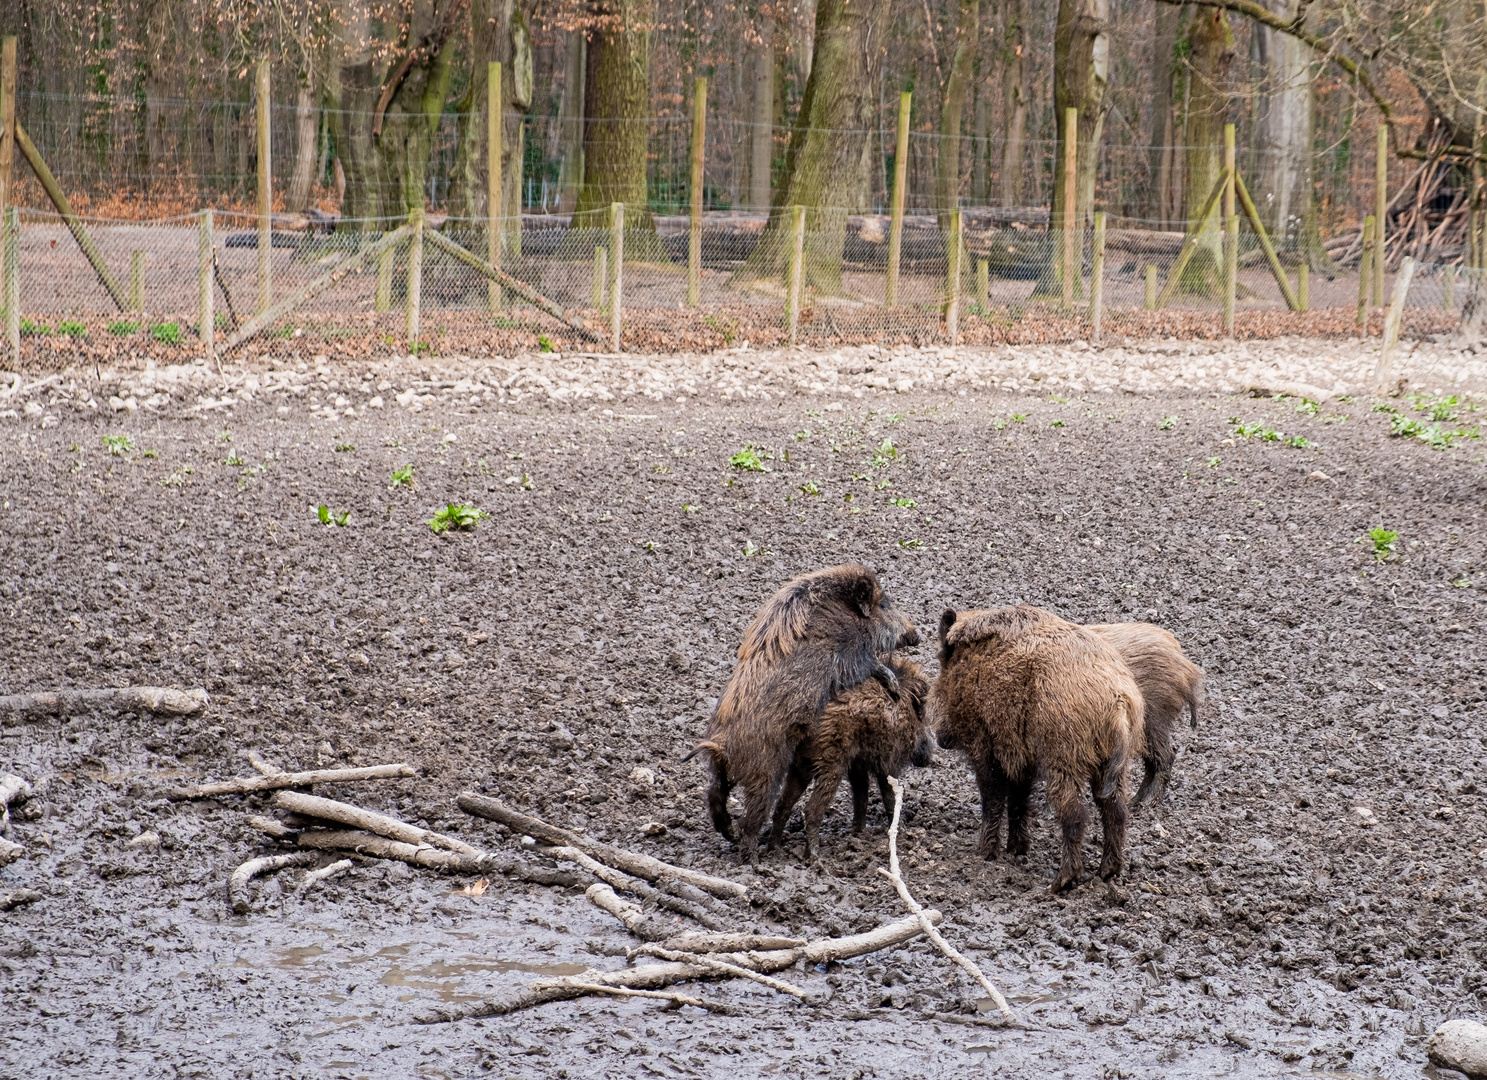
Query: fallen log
[(690, 908), (643, 926), (655, 976), (629, 861), (161, 700), (331, 810), (237, 884), (245, 784), (708, 943), (324, 873), (726, 968), (14, 898)]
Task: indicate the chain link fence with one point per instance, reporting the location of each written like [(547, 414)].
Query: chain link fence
[(1010, 286)]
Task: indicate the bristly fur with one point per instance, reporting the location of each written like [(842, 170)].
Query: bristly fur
[(1021, 693), (1169, 681), (868, 731), (821, 634)]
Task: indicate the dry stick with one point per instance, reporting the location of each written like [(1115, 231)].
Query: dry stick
[(161, 700), (640, 888), (893, 875), (263, 765), (726, 968), (237, 885), (315, 876), (710, 943), (245, 784), (680, 999), (643, 926), (657, 975), (629, 861), (331, 810), (13, 789), (14, 898)]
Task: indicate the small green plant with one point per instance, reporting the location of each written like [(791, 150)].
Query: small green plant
[(544, 343), (749, 459), (1307, 406), (1301, 442), (1058, 423), (166, 333), (1463, 582), (750, 550), (456, 516), (420, 348), (689, 508), (151, 454), (329, 517), (1167, 424), (72, 328), (911, 545), (893, 418), (1018, 418), (809, 488), (524, 481), (1058, 399), (907, 504), (345, 447), (1382, 541), (885, 453), (123, 327), (118, 445), (34, 329), (402, 476), (661, 469), (1213, 462), (234, 460)]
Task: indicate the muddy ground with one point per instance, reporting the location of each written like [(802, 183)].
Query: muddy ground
[(1309, 901)]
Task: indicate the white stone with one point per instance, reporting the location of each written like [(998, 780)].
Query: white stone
[(1461, 1045)]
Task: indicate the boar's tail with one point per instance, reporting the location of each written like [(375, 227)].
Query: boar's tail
[(711, 747), (1193, 705), (1115, 765)]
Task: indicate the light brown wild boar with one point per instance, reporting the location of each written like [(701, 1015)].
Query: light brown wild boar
[(821, 634), (867, 731), (1169, 681), (1023, 693)]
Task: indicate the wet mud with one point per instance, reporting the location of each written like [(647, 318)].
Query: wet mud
[(1308, 901)]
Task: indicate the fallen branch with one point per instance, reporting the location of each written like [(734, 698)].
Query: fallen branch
[(13, 789), (160, 700), (654, 976), (629, 861), (620, 880), (679, 999), (711, 943), (893, 875), (14, 898), (245, 784), (330, 810), (325, 872), (237, 885), (643, 926), (723, 966)]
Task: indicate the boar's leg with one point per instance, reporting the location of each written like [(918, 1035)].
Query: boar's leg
[(857, 777), (717, 797), (828, 779), (994, 786), (1019, 792), (795, 785), (886, 794), (1113, 822), (1066, 797), (1159, 757)]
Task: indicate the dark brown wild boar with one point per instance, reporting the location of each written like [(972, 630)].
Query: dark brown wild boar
[(822, 634), (1169, 681), (867, 731), (1023, 693)]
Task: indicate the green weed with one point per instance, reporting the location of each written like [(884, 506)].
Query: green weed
[(402, 476), (809, 488), (1018, 418), (907, 504), (72, 328), (166, 333), (750, 550), (455, 516), (544, 343), (1307, 406), (123, 327), (1301, 442), (345, 447), (1382, 541), (151, 454), (118, 445), (34, 329), (885, 453), (328, 517), (1167, 424), (749, 459), (234, 461), (893, 418), (1213, 462), (910, 545), (690, 508), (420, 348), (524, 481), (1463, 582)]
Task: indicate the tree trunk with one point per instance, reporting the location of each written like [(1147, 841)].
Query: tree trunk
[(570, 177), (306, 125), (952, 111), (617, 102), (1165, 197), (1283, 138), (762, 115), (1211, 59), (826, 144), (1014, 100), (1080, 67), (980, 165)]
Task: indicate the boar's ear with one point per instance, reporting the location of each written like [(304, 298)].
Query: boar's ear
[(860, 591), (947, 620)]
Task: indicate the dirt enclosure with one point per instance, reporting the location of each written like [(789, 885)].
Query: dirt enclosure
[(1309, 900)]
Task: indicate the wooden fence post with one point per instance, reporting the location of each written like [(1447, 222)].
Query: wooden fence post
[(205, 315), (11, 227), (1151, 286), (385, 264), (1381, 212), (1097, 280), (265, 189), (793, 288), (1231, 234), (900, 183), (415, 276), (954, 259), (616, 270), (7, 139), (694, 240), (136, 281), (1448, 288), (1270, 256), (601, 274), (494, 204), (1303, 287), (1365, 273), (1072, 243), (983, 287), (1393, 320)]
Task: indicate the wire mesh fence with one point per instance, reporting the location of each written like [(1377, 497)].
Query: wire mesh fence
[(1010, 286)]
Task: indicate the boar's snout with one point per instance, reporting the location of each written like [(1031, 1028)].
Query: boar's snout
[(924, 751)]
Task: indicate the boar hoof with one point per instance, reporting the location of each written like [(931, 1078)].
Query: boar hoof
[(1111, 868), (1066, 880)]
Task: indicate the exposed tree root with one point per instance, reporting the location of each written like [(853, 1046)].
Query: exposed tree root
[(161, 700), (245, 784)]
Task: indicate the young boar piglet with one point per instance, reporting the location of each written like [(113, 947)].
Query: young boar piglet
[(1168, 681), (1021, 693), (823, 633), (867, 731)]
